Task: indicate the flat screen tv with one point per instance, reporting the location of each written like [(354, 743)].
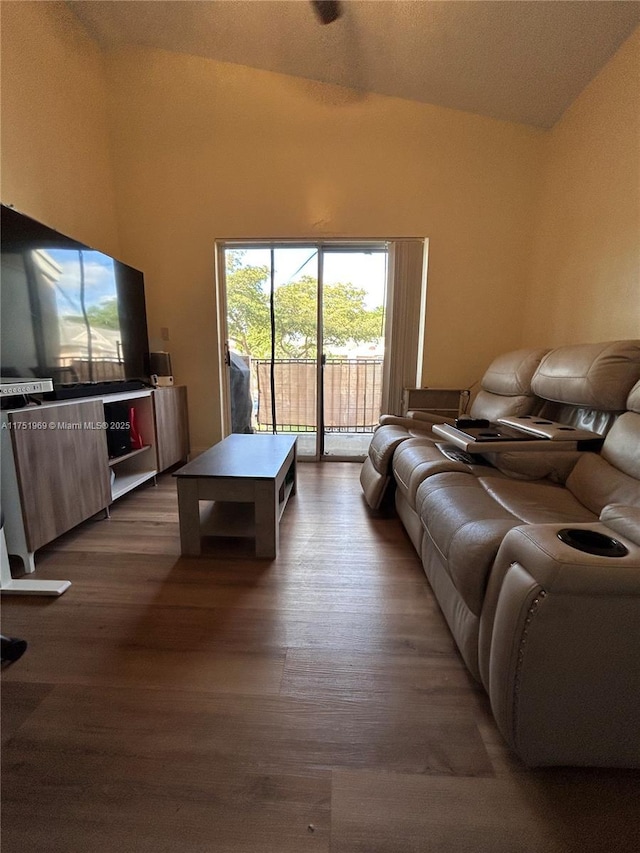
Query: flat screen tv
[(68, 312)]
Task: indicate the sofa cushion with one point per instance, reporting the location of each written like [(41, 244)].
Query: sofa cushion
[(613, 476), (466, 527), (537, 502), (535, 465), (622, 445), (625, 520), (633, 400), (595, 375), (505, 388), (494, 406), (415, 460), (510, 374), (596, 483), (466, 517)]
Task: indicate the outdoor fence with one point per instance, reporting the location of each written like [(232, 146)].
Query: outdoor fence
[(352, 394)]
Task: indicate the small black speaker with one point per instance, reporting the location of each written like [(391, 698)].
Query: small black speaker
[(118, 429), (160, 364)]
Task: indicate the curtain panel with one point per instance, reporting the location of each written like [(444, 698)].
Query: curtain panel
[(406, 289)]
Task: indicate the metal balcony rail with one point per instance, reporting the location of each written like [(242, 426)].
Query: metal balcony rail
[(352, 394), (78, 369)]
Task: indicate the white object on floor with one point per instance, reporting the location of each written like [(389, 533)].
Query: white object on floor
[(9, 585)]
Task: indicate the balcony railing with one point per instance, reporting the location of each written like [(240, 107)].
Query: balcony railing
[(352, 394)]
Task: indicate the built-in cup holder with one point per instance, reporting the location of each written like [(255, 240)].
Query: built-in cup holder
[(592, 542)]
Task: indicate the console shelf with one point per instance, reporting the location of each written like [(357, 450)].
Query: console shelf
[(132, 469), (116, 460), (56, 472), (124, 483)]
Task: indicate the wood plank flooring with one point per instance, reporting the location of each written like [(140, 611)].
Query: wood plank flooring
[(225, 704)]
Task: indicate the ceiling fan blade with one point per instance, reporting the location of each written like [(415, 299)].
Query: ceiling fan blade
[(327, 10)]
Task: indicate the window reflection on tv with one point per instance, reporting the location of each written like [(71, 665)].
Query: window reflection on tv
[(68, 312)]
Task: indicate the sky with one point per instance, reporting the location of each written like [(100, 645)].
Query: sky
[(98, 273), (364, 270)]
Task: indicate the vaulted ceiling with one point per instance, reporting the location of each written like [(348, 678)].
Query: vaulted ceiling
[(519, 60)]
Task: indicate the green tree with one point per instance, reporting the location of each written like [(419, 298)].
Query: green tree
[(102, 316), (105, 315), (346, 316), (247, 307), (296, 318)]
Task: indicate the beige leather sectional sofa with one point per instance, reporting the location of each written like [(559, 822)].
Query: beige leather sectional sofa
[(534, 555)]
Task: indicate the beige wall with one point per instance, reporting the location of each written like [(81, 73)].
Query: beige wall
[(55, 154), (205, 150), (585, 280), (195, 150)]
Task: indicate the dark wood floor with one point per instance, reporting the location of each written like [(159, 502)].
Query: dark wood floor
[(228, 705)]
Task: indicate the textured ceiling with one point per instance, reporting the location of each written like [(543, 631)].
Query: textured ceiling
[(519, 60)]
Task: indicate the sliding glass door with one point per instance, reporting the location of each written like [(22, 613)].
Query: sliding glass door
[(352, 294), (305, 342)]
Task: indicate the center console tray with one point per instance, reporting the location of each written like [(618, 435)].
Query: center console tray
[(552, 430)]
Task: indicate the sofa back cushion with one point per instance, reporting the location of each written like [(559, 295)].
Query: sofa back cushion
[(633, 400), (613, 476), (510, 374), (597, 376), (506, 385), (494, 406), (622, 445)]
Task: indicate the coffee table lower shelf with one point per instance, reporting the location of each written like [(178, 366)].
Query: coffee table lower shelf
[(234, 520)]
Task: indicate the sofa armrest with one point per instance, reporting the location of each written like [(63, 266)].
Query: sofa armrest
[(413, 425), (559, 648), (430, 417)]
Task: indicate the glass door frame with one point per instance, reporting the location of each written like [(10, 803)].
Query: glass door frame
[(321, 246)]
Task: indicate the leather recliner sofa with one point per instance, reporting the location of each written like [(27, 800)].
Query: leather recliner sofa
[(505, 389), (551, 631), (605, 372)]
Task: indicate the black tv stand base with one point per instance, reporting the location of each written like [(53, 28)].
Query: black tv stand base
[(94, 389)]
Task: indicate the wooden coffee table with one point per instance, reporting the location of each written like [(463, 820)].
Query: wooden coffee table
[(258, 471)]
